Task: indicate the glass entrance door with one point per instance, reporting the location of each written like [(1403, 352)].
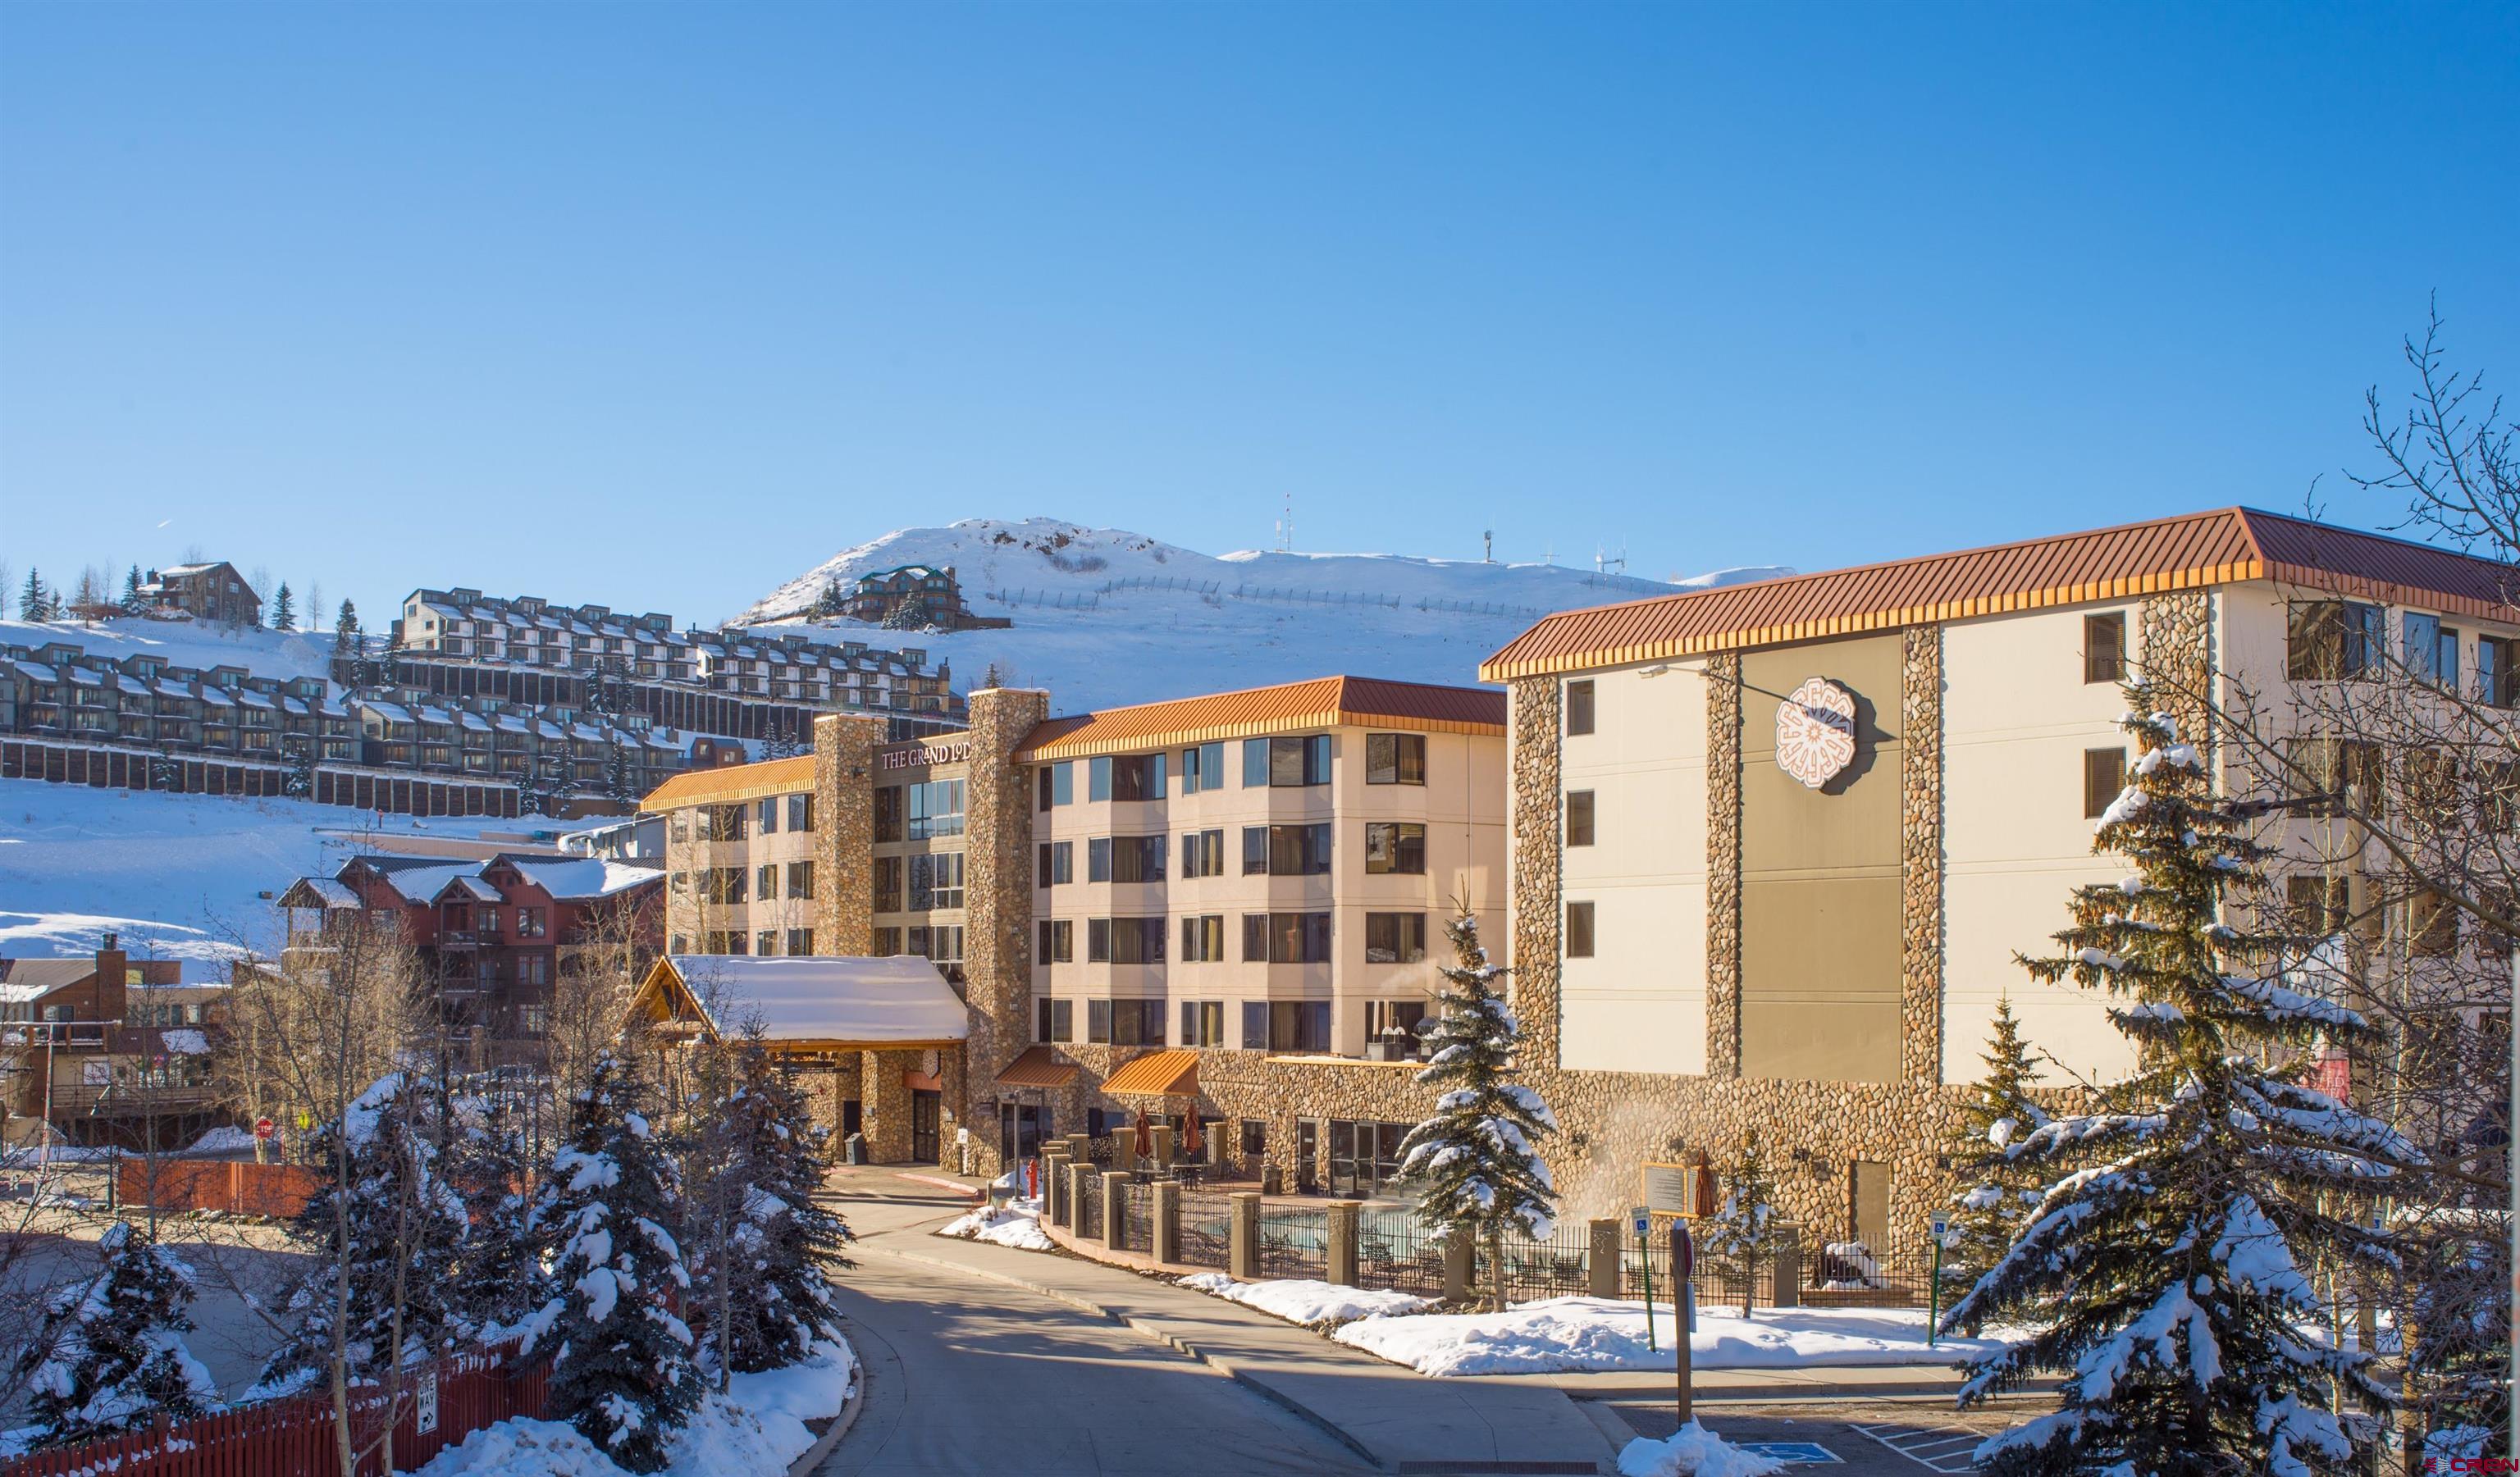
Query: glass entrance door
[(925, 1113), (1021, 1126)]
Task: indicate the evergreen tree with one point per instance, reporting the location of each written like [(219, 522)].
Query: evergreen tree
[(784, 1240), (384, 1228), (284, 608), (32, 602), (830, 602), (621, 771), (165, 772), (2165, 1280), (623, 1374), (345, 631), (904, 617), (111, 1355), (1743, 1231), (132, 601), (1474, 1163), (1997, 1192), (297, 783), (499, 1280)]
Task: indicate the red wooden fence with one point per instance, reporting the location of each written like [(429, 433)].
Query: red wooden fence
[(293, 1437), (239, 1186)]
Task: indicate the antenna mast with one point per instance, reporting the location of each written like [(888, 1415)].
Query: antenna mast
[(1286, 525), (1487, 547)]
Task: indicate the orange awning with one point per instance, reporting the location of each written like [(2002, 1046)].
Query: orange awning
[(1037, 1067), (1160, 1074)]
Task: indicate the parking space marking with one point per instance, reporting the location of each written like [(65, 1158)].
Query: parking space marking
[(1808, 1452), (1949, 1449)]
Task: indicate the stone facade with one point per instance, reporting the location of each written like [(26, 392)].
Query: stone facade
[(997, 905), (2176, 647), (1920, 855), (1532, 865), (1724, 865), (845, 745)]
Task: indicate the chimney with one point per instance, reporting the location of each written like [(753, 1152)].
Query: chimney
[(112, 969)]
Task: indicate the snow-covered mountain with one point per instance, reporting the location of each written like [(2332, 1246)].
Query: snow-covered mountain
[(1104, 616)]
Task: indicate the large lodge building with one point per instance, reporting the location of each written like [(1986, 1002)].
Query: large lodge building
[(1759, 856)]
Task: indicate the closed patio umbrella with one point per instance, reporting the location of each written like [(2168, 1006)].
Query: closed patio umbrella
[(1145, 1136), (1190, 1132)]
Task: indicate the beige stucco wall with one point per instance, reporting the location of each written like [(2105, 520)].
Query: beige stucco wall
[(1638, 1004), (2017, 717)]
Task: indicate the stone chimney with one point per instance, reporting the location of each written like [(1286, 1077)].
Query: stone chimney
[(112, 968)]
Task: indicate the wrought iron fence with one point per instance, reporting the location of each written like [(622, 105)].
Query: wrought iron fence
[(1137, 1216), (1087, 1220), (1207, 1229), (1294, 1243), (1396, 1252)]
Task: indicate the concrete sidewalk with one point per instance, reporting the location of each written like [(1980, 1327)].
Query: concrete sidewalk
[(1392, 1417)]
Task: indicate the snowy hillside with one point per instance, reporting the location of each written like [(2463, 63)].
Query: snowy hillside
[(183, 642), (1104, 616), (177, 876)]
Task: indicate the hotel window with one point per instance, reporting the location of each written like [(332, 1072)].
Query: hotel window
[(1203, 854), (2497, 684), (1382, 1018), (1395, 846), (1579, 818), (681, 944), (936, 882), (1056, 784), (1579, 931), (1124, 941), (1097, 1024), (913, 940), (1202, 1022), (801, 880), (2105, 775), (1287, 1025), (766, 943), (1286, 938), (2327, 640), (936, 808), (532, 923), (801, 940), (722, 885), (1287, 762), (1395, 758), (2427, 923), (1058, 941), (765, 816), (2337, 776), (725, 823), (1058, 863), (1133, 776), (1395, 938), (1579, 706), (2104, 648), (1203, 939), (1054, 1020), (765, 882), (681, 828), (800, 811), (2320, 907), (888, 812), (1203, 767), (945, 945), (887, 884), (1286, 851), (1124, 859), (1137, 1022), (1098, 859), (887, 942)]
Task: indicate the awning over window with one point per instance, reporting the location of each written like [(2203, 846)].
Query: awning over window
[(1038, 1067), (1160, 1074)]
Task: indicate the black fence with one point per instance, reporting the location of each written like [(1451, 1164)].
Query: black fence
[(1207, 1229), (1395, 1251), (1294, 1243), (1087, 1220), (1137, 1216)]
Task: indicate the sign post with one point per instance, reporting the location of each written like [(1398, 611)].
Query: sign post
[(1684, 1310), (1934, 1293), (1641, 1219)]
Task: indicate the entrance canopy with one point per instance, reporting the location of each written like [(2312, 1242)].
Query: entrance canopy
[(1159, 1074), (807, 1002), (1038, 1067)]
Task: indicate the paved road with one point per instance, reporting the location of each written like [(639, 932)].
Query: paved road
[(1906, 1438), (967, 1375)]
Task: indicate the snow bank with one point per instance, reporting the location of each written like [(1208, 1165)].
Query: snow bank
[(1582, 1333), (223, 1139), (754, 1430), (1692, 1452), (1300, 1300), (1018, 1224)]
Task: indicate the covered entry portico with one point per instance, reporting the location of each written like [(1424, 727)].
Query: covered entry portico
[(877, 1042)]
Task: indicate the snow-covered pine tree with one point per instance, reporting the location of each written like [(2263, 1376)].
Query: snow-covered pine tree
[(621, 770), (1997, 1192), (110, 1353), (1473, 1164), (622, 1373), (830, 601), (384, 1230), (499, 1281), (345, 631), (132, 603), (284, 608), (299, 781), (2165, 1277), (165, 772), (32, 603), (786, 1240), (1743, 1231)]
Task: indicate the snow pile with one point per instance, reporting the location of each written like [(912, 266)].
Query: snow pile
[(1300, 1300), (1104, 616), (223, 1139), (1692, 1452), (754, 1430), (1017, 1225), (1594, 1334)]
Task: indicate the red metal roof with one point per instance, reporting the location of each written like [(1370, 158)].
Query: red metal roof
[(2191, 552), (1322, 702)]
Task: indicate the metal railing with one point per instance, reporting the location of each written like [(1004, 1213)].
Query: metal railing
[(1207, 1229), (1294, 1243)]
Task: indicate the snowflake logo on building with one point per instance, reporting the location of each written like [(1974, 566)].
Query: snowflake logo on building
[(1816, 731)]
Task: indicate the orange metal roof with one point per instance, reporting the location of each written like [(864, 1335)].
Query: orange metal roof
[(2197, 550), (1038, 1067), (1322, 702), (733, 782), (1160, 1074)]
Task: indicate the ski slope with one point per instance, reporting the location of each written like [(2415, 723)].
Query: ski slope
[(1107, 618)]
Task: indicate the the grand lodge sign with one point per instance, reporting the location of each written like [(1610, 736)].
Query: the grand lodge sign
[(920, 756)]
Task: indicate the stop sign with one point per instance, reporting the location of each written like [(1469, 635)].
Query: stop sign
[(263, 1128)]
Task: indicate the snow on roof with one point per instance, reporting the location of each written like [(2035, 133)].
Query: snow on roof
[(586, 877), (390, 712), (34, 670), (333, 894), (818, 998), (480, 891), (422, 884)]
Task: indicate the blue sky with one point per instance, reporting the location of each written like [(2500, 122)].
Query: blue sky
[(657, 304)]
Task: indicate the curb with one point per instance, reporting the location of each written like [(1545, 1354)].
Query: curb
[(1161, 1335), (814, 1456)]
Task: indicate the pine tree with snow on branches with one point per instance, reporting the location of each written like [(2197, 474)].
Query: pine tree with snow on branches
[(622, 1373), (2164, 1273), (110, 1354), (1997, 1192), (786, 1240), (1474, 1164), (1744, 1230)]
